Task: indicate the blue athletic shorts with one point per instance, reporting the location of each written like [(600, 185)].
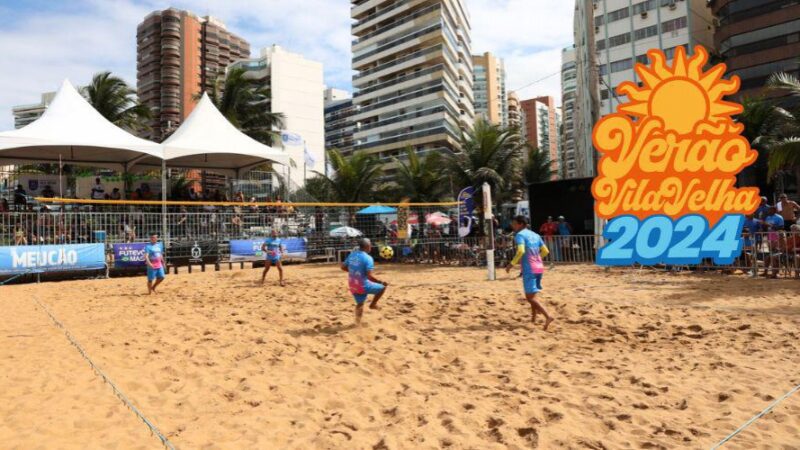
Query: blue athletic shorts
[(152, 274), (369, 289), (273, 260), (532, 282)]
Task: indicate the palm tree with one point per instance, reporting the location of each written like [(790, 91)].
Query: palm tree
[(537, 168), (784, 151), (245, 103), (116, 101), (420, 179), (354, 178), (761, 120), (490, 154)]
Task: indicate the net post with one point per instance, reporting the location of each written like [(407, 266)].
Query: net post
[(487, 215), (164, 204)]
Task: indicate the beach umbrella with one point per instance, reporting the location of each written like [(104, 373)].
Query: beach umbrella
[(437, 219), (345, 232), (378, 209)]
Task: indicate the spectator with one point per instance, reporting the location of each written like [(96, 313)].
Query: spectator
[(20, 237), (763, 210), (217, 196), (137, 194), (4, 208), (20, 197), (98, 190), (145, 192), (183, 222), (239, 197), (192, 195), (788, 210), (129, 232), (48, 192), (793, 249), (116, 194), (564, 230), (548, 230)]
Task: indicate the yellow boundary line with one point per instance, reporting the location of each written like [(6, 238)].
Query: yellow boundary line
[(187, 203)]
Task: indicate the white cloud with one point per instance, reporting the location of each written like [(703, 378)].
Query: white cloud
[(41, 47), (529, 36)]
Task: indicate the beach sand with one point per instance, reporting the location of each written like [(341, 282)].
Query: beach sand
[(636, 359)]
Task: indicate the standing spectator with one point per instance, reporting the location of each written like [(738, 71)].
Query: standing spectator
[(548, 231), (98, 190), (20, 197), (4, 208), (564, 231), (20, 236), (788, 210), (763, 209)]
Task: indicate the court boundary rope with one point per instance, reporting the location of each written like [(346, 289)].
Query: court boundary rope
[(752, 420), (153, 429)]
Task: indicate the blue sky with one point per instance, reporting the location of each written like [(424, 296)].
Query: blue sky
[(43, 42)]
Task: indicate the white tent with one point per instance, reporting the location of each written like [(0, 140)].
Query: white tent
[(72, 131), (207, 140)]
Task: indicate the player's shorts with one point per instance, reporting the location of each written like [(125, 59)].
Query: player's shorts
[(369, 289), (274, 259), (532, 282), (152, 274)]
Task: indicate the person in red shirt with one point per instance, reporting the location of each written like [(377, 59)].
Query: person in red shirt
[(547, 231)]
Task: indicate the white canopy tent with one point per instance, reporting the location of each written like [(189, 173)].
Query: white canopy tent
[(72, 131), (207, 140)]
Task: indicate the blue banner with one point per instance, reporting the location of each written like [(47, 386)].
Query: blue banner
[(250, 250), (129, 255), (466, 208), (51, 258)]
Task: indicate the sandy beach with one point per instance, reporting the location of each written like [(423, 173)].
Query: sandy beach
[(636, 359)]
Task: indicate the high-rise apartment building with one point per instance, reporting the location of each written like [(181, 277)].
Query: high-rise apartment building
[(626, 29), (338, 124), (25, 114), (489, 87), (514, 111), (569, 87), (178, 56), (295, 85), (757, 39), (413, 86), (587, 101), (542, 124)]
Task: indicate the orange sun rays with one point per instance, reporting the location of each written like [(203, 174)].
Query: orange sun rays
[(682, 95)]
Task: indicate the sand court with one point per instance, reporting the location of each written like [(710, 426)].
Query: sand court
[(634, 360)]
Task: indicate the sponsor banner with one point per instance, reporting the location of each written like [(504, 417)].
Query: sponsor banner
[(35, 184), (129, 255), (250, 250), (51, 258)]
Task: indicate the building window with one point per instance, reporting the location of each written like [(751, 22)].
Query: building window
[(674, 25), (621, 65)]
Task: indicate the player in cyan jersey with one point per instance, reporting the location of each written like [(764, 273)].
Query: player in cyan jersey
[(361, 281), (154, 257), (273, 249), (530, 251)]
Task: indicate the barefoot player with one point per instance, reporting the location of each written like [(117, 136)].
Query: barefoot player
[(154, 257), (273, 249), (362, 280), (530, 251)]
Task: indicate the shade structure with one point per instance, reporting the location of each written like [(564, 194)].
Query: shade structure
[(72, 131), (207, 140), (377, 209)]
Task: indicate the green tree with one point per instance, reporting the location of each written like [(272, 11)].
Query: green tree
[(420, 179), (537, 168), (245, 103), (784, 147), (354, 179), (491, 154), (117, 102)]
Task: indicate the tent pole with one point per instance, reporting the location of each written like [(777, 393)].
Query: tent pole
[(164, 203)]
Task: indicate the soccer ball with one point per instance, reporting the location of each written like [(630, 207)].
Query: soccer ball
[(387, 252)]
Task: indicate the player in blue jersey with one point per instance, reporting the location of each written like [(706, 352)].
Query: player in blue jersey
[(530, 251), (154, 258), (361, 280), (273, 250)]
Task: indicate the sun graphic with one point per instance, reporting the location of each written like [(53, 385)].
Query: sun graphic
[(683, 95)]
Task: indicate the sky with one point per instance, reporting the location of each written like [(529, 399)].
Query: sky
[(43, 42)]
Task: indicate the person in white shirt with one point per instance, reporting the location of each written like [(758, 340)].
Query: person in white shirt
[(98, 190)]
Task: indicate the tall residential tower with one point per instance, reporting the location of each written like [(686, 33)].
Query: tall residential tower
[(413, 86), (542, 124), (569, 87), (178, 55), (491, 100)]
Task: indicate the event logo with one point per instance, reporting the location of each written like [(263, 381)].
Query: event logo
[(667, 176)]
